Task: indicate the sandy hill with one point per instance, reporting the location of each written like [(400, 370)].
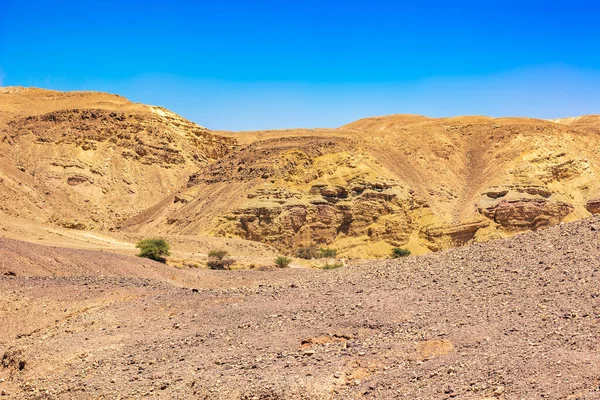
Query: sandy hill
[(510, 319), (402, 180), (88, 160)]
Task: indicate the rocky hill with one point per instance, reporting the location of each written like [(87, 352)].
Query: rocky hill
[(97, 161), (89, 160), (410, 181)]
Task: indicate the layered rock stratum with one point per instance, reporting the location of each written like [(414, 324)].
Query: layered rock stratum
[(88, 160)]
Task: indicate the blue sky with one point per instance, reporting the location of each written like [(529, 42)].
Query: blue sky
[(241, 65)]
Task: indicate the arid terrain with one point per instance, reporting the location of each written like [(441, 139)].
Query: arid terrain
[(515, 318), (498, 301), (95, 161)]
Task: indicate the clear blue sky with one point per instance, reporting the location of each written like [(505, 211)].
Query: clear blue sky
[(233, 64)]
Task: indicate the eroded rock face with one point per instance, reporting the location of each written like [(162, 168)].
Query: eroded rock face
[(496, 192), (521, 207), (445, 236), (528, 213), (291, 159), (377, 210), (93, 168), (141, 138)]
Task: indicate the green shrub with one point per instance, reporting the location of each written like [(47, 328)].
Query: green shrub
[(397, 252), (332, 265), (310, 252), (217, 254), (154, 249), (282, 262), (327, 253), (307, 252)]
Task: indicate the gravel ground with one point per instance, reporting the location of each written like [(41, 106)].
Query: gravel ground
[(509, 319)]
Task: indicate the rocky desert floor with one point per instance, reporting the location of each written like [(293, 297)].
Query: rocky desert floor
[(516, 318)]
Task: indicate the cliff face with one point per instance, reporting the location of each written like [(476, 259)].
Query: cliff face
[(92, 160), (323, 213)]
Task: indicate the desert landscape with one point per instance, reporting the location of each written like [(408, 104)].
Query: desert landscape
[(498, 298), (96, 162)]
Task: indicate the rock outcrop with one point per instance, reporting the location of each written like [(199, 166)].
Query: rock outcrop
[(593, 205), (527, 214), (444, 236), (286, 219), (523, 207), (97, 161), (91, 160)]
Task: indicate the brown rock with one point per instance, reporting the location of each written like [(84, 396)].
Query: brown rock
[(593, 205), (527, 213)]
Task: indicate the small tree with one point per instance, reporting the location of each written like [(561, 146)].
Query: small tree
[(397, 252), (217, 254), (217, 260), (154, 249), (282, 262)]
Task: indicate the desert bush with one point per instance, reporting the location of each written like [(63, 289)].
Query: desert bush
[(282, 262), (220, 264), (217, 260), (398, 252), (327, 253), (310, 252), (307, 252), (334, 265), (154, 249), (217, 254)]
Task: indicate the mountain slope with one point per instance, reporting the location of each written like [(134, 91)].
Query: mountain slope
[(89, 160), (411, 181)]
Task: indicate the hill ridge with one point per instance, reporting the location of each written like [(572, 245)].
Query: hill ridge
[(363, 188)]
